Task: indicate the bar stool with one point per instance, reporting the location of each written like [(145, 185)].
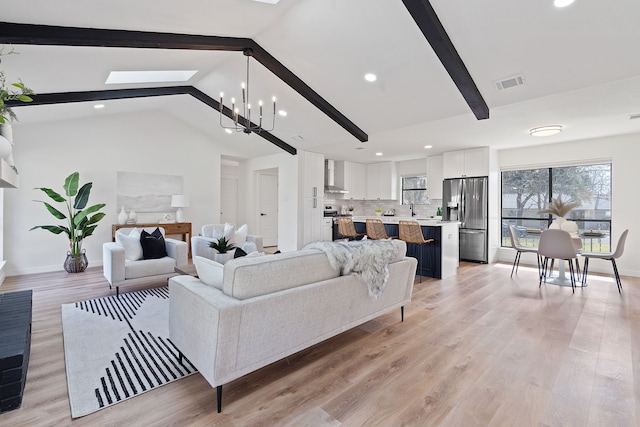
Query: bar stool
[(411, 232), (376, 230), (347, 229)]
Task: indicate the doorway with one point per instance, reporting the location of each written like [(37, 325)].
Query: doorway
[(268, 206)]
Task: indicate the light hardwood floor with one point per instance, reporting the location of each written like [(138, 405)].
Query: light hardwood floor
[(479, 349)]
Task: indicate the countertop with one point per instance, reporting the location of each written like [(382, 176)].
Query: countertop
[(431, 222)]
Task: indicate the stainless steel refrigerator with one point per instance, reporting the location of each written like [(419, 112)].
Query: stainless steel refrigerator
[(465, 200)]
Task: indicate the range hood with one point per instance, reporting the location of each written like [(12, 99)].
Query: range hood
[(329, 179)]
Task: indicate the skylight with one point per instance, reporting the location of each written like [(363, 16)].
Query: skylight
[(120, 77)]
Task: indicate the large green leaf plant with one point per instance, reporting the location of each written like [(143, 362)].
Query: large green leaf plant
[(81, 220)]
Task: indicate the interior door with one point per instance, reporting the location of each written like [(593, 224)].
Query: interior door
[(228, 200), (268, 208)]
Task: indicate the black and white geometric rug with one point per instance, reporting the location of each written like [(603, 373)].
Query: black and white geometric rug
[(118, 348)]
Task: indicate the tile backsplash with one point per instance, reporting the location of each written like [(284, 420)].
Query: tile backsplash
[(368, 207)]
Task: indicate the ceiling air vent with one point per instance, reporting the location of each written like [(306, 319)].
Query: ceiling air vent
[(297, 138), (510, 82)]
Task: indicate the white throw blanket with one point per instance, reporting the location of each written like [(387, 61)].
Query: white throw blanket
[(368, 259)]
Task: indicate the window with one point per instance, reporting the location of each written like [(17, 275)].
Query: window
[(525, 192), (414, 190)]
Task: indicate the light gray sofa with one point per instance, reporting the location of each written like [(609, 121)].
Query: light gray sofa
[(119, 271), (269, 307)]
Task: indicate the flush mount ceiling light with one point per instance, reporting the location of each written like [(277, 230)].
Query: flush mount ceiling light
[(546, 130), (562, 3), (164, 76), (428, 146), (370, 77)]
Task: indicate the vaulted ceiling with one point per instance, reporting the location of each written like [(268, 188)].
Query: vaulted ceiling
[(579, 66)]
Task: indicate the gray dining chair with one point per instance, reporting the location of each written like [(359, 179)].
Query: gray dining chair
[(612, 256), (515, 244), (557, 244)]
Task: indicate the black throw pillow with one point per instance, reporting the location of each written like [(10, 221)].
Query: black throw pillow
[(239, 252), (153, 245)]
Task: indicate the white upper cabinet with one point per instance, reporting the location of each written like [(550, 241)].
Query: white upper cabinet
[(382, 181), (472, 162), (434, 177), (354, 178)]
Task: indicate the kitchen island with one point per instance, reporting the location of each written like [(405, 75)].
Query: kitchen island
[(444, 249)]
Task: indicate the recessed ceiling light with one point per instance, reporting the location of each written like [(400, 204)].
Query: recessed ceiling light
[(562, 3), (378, 154), (370, 77), (120, 77), (546, 130), (428, 146), (98, 106), (282, 113), (228, 131)]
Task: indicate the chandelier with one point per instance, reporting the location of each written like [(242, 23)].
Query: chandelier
[(242, 123)]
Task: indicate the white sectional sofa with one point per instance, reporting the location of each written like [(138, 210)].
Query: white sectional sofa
[(269, 307)]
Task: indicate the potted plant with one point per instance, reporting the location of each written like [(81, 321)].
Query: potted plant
[(81, 220), (17, 91), (223, 246)]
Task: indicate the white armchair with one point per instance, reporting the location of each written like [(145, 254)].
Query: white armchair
[(238, 236), (123, 263)]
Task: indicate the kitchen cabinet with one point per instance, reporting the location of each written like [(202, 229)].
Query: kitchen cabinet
[(327, 229), (434, 177), (382, 181), (311, 172), (461, 163), (313, 220), (352, 177)]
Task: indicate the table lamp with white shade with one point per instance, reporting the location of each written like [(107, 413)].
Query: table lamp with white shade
[(179, 201)]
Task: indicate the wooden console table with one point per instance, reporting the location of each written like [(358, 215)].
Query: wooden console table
[(170, 228)]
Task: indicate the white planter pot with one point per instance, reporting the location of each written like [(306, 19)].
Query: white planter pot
[(222, 258), (7, 131)]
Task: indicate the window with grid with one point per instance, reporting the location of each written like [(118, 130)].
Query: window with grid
[(414, 190), (526, 192)]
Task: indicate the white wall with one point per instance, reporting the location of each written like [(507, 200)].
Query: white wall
[(623, 152), (288, 179), (45, 154)]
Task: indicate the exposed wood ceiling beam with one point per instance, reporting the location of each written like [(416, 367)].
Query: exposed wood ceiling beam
[(30, 34), (432, 28), (105, 95)]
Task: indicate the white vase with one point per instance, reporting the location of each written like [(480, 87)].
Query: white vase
[(122, 217), (133, 217), (5, 148)]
